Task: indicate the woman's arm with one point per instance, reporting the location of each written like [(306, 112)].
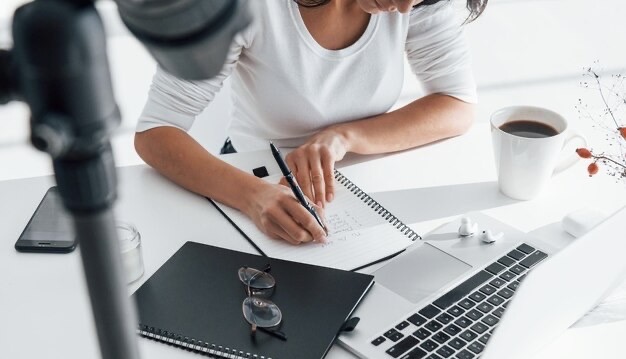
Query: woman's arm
[(273, 208), (425, 120), (163, 143)]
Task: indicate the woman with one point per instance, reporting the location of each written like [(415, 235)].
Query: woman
[(318, 75)]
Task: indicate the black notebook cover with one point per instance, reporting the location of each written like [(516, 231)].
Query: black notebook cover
[(195, 301)]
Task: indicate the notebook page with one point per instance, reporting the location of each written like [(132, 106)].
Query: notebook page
[(358, 235)]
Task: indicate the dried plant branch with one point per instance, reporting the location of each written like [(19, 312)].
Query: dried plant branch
[(608, 108), (613, 98), (609, 159)]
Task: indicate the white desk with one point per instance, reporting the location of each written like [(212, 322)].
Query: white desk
[(44, 307)]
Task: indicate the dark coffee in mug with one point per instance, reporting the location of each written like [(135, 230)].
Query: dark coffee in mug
[(529, 129)]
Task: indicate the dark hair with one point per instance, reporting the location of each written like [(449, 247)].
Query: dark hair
[(475, 7)]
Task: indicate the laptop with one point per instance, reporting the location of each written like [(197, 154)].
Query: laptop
[(453, 297)]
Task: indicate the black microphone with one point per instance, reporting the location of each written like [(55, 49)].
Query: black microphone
[(188, 38)]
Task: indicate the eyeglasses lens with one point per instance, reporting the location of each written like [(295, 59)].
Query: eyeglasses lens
[(259, 311), (255, 278)]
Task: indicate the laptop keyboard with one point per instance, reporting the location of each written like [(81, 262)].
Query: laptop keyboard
[(459, 323)]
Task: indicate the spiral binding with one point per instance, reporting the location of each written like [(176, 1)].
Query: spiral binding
[(372, 203), (212, 350)]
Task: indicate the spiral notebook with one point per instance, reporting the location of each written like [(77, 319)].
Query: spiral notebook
[(194, 301), (361, 231)]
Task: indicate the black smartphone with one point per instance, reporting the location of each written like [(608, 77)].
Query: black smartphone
[(50, 228)]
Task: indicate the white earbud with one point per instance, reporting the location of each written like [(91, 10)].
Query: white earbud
[(489, 237), (467, 228)]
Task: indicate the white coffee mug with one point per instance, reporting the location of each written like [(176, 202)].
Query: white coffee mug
[(525, 164)]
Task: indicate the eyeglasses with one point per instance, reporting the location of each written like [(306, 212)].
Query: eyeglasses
[(260, 312)]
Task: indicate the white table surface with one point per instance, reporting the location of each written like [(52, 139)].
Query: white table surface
[(44, 308)]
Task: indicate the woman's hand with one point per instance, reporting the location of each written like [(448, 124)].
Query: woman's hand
[(313, 164), (277, 213)]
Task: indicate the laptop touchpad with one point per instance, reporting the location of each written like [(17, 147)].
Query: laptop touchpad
[(420, 272)]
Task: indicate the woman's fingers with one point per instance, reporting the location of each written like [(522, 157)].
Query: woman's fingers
[(277, 213), (304, 221), (328, 171), (299, 166), (277, 232), (314, 171), (318, 179), (296, 233)]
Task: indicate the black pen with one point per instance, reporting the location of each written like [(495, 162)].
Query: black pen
[(297, 191)]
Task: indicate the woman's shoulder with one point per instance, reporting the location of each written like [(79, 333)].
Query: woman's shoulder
[(429, 8), (262, 13), (432, 13), (267, 14), (269, 8)]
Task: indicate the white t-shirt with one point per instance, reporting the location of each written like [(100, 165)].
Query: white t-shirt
[(286, 87)]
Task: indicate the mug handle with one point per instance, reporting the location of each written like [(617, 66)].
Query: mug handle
[(568, 161)]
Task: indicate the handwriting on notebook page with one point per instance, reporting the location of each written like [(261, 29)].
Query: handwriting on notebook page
[(335, 238), (342, 221)]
